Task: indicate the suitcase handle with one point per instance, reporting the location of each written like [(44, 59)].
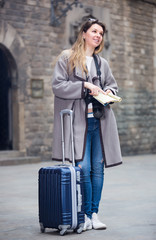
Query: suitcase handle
[(70, 113)]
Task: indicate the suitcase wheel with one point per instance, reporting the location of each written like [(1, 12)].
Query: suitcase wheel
[(63, 231), (42, 228), (79, 230)]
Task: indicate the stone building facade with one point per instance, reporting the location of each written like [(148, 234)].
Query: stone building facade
[(29, 46)]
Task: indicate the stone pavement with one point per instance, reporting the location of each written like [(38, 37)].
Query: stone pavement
[(128, 204)]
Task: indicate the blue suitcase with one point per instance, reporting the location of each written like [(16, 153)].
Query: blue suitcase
[(61, 193)]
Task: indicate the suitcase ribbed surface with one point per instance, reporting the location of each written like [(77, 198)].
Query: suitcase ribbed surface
[(55, 197)]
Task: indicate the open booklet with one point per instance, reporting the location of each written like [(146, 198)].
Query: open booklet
[(103, 99)]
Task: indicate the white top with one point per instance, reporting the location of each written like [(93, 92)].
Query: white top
[(89, 60)]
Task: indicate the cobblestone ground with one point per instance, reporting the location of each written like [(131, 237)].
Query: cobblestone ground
[(128, 205)]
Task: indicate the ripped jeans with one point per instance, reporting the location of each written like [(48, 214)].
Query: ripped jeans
[(93, 168)]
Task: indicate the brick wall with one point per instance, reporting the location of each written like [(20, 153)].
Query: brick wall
[(132, 59), (133, 67)]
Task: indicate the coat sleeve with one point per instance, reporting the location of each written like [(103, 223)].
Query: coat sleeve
[(110, 82), (63, 86)]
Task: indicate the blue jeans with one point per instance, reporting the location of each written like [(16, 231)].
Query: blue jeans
[(93, 168)]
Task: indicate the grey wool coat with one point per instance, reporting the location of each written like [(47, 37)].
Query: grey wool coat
[(69, 92)]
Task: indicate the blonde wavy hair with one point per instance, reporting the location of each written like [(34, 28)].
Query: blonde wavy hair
[(77, 56)]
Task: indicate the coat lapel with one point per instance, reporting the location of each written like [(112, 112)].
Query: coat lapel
[(79, 75)]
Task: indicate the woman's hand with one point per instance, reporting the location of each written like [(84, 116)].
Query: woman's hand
[(94, 90), (108, 91)]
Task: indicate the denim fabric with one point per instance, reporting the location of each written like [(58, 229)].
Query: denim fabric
[(93, 168)]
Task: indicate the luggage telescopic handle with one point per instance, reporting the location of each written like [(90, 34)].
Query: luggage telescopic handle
[(70, 113)]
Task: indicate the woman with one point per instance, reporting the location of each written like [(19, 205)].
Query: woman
[(75, 81)]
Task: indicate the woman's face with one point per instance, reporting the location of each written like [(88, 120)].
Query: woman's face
[(93, 37)]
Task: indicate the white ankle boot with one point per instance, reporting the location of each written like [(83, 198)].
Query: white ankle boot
[(96, 224), (87, 224)]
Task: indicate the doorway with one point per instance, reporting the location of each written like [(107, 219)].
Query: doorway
[(6, 108)]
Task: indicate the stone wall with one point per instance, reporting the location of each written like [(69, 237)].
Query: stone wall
[(31, 21), (132, 59), (133, 67)]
